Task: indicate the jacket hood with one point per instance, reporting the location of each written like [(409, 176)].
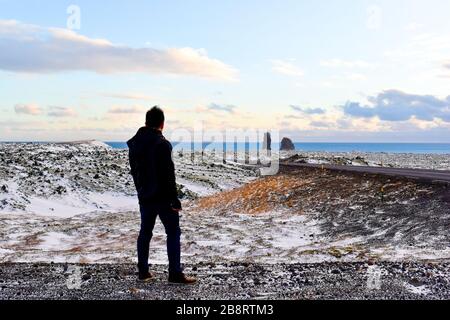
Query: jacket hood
[(144, 135)]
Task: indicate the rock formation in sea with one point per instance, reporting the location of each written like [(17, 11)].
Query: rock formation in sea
[(267, 143), (287, 145)]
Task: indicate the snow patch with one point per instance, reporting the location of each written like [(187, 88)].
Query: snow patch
[(420, 290), (55, 241)]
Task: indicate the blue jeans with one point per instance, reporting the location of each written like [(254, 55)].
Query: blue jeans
[(171, 222)]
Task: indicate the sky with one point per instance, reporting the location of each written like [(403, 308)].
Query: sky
[(317, 71)]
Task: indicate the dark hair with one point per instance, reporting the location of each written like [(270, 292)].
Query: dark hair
[(154, 118)]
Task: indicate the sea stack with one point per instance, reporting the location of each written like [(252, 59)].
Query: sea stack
[(287, 145), (267, 143)]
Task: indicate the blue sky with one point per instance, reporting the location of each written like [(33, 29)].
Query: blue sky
[(316, 70)]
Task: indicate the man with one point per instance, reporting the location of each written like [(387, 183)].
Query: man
[(153, 173)]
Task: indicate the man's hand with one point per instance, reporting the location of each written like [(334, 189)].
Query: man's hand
[(176, 210), (176, 205)]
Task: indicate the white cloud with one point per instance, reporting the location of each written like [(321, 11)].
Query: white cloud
[(34, 49), (447, 65), (223, 108), (127, 110), (287, 68), (30, 109), (61, 112), (395, 105), (445, 73), (308, 110)]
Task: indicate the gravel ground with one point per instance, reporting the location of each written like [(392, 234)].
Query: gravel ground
[(230, 281)]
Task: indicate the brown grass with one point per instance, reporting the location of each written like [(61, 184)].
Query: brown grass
[(308, 189), (260, 196)]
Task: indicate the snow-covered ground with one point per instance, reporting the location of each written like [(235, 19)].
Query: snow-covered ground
[(77, 203), (69, 179)]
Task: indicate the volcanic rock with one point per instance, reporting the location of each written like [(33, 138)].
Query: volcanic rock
[(287, 145), (267, 143)]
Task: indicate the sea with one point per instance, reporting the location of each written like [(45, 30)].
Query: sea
[(416, 148)]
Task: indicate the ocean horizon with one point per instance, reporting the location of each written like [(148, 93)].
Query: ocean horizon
[(416, 148), (374, 147)]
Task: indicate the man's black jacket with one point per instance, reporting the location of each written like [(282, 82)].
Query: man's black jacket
[(152, 168)]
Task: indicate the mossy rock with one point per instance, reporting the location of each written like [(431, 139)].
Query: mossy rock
[(186, 194)]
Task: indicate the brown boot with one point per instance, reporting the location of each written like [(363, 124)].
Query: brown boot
[(181, 278), (146, 277)]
